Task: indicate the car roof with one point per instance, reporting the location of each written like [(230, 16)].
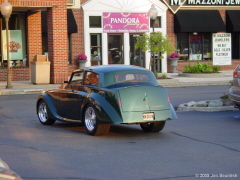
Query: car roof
[(107, 72), (111, 68)]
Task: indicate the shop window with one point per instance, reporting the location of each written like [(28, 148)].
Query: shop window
[(69, 49), (96, 48), (17, 41), (194, 46), (182, 45), (157, 22), (137, 56), (207, 46), (95, 21), (235, 45)]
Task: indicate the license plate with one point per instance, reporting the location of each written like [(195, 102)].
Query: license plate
[(148, 116)]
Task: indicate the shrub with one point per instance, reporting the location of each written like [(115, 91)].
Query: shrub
[(201, 68), (216, 68)]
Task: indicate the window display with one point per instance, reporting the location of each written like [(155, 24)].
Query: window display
[(194, 46)]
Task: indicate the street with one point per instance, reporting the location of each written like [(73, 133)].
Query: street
[(197, 145)]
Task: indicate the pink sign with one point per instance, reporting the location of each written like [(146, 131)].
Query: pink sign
[(125, 22)]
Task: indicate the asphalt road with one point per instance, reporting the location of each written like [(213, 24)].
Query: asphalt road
[(196, 93), (198, 144)]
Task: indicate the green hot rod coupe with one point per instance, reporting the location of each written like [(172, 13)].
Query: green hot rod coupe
[(99, 96)]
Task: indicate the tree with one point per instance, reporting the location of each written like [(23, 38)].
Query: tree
[(155, 42)]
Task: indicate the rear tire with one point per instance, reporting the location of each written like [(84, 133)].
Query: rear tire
[(42, 112), (91, 123), (153, 127)]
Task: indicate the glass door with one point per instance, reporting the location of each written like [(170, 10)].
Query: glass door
[(115, 49), (137, 57)]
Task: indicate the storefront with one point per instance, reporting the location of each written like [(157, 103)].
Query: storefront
[(63, 31), (39, 27), (110, 31), (197, 23)]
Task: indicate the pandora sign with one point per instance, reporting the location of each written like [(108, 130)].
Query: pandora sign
[(125, 22)]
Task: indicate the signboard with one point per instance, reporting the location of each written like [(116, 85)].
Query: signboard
[(15, 45), (222, 49), (175, 5), (125, 22)]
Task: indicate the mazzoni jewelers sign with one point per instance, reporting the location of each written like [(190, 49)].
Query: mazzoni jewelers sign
[(125, 22), (222, 49), (175, 5)]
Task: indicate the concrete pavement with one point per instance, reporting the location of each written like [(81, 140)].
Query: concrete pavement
[(26, 87)]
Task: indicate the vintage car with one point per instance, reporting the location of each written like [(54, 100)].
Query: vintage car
[(6, 173), (99, 96)]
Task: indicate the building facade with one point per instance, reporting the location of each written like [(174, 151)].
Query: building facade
[(43, 27), (106, 32)]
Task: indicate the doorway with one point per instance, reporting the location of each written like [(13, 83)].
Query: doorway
[(137, 56), (115, 49)]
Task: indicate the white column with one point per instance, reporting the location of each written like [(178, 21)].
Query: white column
[(87, 41), (126, 48), (164, 64), (147, 60), (104, 49)]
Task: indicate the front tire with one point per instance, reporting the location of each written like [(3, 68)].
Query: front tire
[(153, 127), (91, 123), (42, 113)]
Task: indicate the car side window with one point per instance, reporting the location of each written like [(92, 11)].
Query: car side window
[(90, 78), (77, 78)]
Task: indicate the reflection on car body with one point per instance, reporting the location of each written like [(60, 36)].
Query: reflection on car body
[(99, 96), (6, 173)]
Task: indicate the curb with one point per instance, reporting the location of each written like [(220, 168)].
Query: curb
[(15, 92), (167, 81), (202, 75), (194, 84)]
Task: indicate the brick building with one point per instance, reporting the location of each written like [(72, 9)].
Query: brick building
[(64, 31), (50, 34)]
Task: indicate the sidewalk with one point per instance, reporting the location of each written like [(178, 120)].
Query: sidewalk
[(26, 87)]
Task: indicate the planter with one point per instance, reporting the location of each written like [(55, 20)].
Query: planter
[(174, 64), (82, 63)]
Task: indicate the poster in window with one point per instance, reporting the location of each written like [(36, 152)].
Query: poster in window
[(14, 45), (222, 54)]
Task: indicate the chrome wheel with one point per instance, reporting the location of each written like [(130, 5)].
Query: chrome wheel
[(92, 124), (42, 112), (90, 118)]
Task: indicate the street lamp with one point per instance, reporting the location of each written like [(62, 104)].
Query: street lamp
[(6, 10), (153, 12)]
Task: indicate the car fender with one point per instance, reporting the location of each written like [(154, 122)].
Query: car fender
[(52, 112), (173, 112), (106, 113)]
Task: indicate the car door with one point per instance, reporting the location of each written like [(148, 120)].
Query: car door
[(70, 97)]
